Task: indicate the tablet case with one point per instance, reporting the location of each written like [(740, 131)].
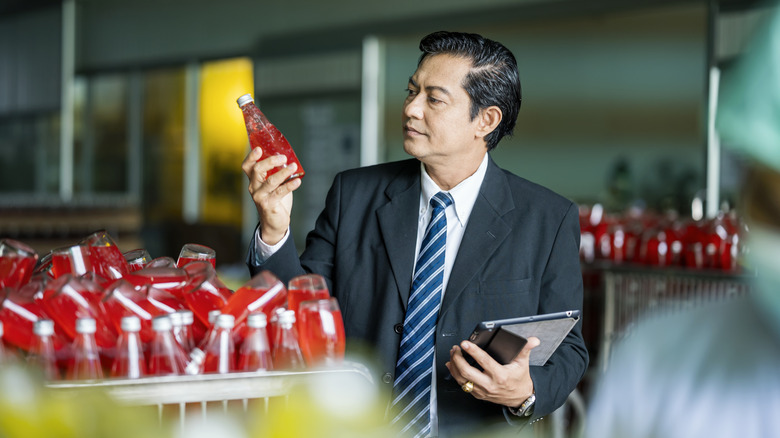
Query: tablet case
[(509, 335)]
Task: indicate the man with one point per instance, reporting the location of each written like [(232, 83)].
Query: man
[(510, 249)]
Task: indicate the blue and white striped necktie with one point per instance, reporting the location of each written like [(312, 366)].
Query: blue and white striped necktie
[(413, 371)]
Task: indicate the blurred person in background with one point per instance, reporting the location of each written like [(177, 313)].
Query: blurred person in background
[(715, 371), (511, 248)]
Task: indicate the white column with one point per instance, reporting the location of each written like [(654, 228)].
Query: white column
[(191, 190), (713, 148), (66, 104), (372, 102)]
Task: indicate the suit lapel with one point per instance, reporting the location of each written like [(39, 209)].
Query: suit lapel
[(484, 233), (398, 225)]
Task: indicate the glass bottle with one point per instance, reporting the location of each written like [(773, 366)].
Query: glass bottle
[(221, 351), (86, 356), (263, 134), (43, 355), (287, 353), (166, 355), (197, 357), (129, 361), (184, 334), (255, 351), (3, 354)]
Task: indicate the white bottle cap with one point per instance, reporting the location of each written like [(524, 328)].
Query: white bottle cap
[(177, 319), (187, 317), (245, 99), (287, 317), (131, 324), (256, 320), (86, 325), (43, 327), (213, 316), (225, 321), (161, 323)]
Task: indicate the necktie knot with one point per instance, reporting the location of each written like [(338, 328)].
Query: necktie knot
[(440, 201)]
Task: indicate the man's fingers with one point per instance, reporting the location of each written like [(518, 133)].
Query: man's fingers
[(525, 353), (250, 160)]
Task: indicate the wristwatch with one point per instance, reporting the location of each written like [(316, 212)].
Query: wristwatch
[(525, 409)]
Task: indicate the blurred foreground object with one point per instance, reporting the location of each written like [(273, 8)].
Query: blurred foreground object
[(712, 372)]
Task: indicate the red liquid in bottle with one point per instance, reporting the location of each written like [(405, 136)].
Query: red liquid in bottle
[(321, 333), (166, 355), (287, 352), (66, 299), (185, 260), (43, 354), (122, 300), (15, 270), (129, 361), (255, 353), (171, 280), (220, 350), (263, 134), (86, 356), (296, 296), (264, 292)]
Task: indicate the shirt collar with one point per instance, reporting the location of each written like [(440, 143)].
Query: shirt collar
[(464, 194)]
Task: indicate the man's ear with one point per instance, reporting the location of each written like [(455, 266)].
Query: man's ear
[(489, 118)]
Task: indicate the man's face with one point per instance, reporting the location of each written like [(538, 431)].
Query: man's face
[(438, 129)]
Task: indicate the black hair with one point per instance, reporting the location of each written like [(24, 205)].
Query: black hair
[(493, 79)]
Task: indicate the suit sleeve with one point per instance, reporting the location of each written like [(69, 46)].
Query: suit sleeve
[(320, 246), (561, 289)]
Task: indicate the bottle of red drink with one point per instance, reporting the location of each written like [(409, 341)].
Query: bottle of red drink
[(306, 287), (287, 352), (221, 351), (263, 292), (129, 361), (18, 313), (70, 260), (195, 365), (321, 332), (265, 135), (255, 353), (182, 321), (86, 356), (17, 262), (166, 356), (67, 298), (192, 252), (3, 354), (106, 258), (137, 259), (43, 356)]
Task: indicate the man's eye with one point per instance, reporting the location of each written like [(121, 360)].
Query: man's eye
[(433, 100), (410, 92)]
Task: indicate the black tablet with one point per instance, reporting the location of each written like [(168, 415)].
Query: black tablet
[(504, 338)]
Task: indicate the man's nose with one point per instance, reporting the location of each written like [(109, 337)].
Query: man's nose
[(413, 107)]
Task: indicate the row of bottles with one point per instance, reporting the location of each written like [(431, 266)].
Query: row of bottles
[(167, 354)]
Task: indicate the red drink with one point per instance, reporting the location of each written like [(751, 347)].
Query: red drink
[(66, 299), (321, 332), (287, 351), (137, 259), (17, 262), (19, 314), (193, 252), (220, 350), (129, 361), (263, 292), (43, 354), (106, 258), (86, 356), (171, 280), (263, 134), (123, 300), (71, 260), (296, 296), (166, 356), (255, 351)]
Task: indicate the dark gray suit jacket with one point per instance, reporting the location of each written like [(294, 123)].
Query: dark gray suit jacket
[(519, 256)]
